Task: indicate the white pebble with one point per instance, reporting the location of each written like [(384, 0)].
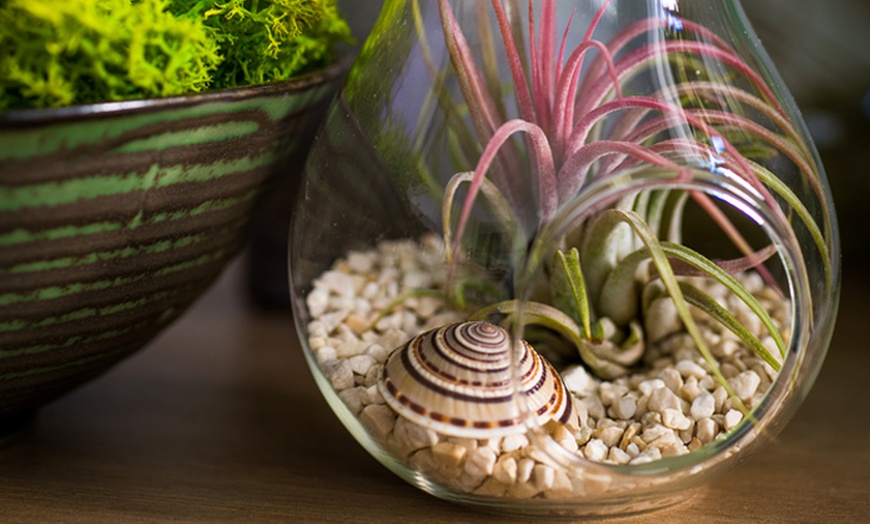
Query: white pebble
[(625, 407), (360, 262), (687, 369), (354, 398), (339, 374), (373, 395), (577, 380), (720, 395), (675, 419), (379, 420), (732, 418), (706, 430), (690, 390), (524, 469), (745, 384), (514, 442), (317, 302), (543, 477), (377, 352), (595, 450), (361, 364), (662, 399), (618, 456), (672, 379), (324, 354), (450, 455), (648, 386), (703, 406), (480, 462), (505, 469)]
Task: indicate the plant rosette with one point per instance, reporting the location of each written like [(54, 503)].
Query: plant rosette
[(560, 259), (129, 172)]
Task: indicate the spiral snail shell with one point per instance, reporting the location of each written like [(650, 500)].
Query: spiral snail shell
[(457, 380)]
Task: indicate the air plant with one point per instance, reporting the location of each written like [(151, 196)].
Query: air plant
[(579, 121)]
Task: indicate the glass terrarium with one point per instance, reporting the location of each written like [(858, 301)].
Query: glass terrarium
[(563, 257)]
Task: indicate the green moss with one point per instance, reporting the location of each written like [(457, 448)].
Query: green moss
[(81, 51)]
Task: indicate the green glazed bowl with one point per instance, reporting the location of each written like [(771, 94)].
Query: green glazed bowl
[(114, 217)]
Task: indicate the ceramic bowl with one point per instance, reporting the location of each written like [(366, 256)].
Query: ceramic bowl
[(114, 217)]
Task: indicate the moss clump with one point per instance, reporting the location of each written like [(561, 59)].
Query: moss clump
[(82, 51)]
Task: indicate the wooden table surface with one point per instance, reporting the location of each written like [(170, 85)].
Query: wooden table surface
[(219, 420)]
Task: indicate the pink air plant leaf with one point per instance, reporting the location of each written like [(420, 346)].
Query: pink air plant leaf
[(592, 111), (547, 190)]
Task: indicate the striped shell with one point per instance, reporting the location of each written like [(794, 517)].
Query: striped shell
[(456, 380)]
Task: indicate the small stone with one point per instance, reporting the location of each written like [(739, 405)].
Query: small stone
[(561, 487), (618, 456), (732, 418), (672, 379), (514, 442), (690, 390), (594, 406), (648, 386), (703, 406), (745, 384), (373, 395), (625, 407), (360, 262), (674, 449), (448, 454), (577, 380), (372, 376), (610, 392), (505, 469), (675, 419), (491, 487), (720, 396), (653, 433), (595, 450), (361, 364), (543, 476), (468, 443), (648, 455), (325, 354), (610, 436), (662, 399), (379, 420), (687, 369), (523, 490), (708, 383), (706, 431), (353, 398), (524, 469), (339, 374), (413, 436), (317, 302), (356, 323), (480, 462), (563, 437), (729, 370), (377, 352)]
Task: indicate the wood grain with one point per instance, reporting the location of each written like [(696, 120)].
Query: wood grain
[(220, 420)]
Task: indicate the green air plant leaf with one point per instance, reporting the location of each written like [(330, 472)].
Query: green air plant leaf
[(608, 219), (701, 300), (710, 269), (569, 289)]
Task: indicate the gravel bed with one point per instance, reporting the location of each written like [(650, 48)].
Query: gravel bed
[(672, 406)]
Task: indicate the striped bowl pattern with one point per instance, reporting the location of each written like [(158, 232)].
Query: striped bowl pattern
[(114, 217)]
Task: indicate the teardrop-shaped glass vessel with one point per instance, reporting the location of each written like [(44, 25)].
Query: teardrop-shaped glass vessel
[(627, 187)]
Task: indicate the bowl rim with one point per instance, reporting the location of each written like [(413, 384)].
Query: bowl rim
[(17, 118)]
